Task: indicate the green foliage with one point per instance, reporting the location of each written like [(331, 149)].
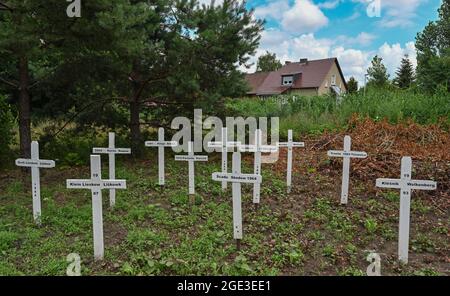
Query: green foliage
[(371, 225), (316, 114), (377, 73), (72, 149), (6, 126), (433, 52), (268, 62), (405, 74), (352, 85)]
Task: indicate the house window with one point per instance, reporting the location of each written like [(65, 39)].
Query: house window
[(333, 79), (287, 80)]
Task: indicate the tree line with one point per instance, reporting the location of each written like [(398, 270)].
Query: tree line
[(148, 59)]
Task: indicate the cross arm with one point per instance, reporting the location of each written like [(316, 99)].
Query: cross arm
[(111, 150), (161, 143), (389, 183), (291, 144), (191, 158), (421, 184), (95, 184), (351, 154), (40, 163), (237, 178), (254, 148)]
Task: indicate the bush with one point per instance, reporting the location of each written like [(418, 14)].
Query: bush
[(73, 146), (6, 126), (313, 115)]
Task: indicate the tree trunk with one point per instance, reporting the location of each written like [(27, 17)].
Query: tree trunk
[(24, 109), (135, 126)]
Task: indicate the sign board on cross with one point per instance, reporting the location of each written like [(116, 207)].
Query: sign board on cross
[(236, 178), (346, 154), (224, 146), (96, 184), (161, 144), (35, 163), (111, 151), (191, 158), (405, 184), (290, 144)]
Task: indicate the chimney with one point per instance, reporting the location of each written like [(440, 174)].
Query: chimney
[(287, 62), (304, 61)]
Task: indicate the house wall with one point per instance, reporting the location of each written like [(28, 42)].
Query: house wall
[(305, 92), (324, 88)]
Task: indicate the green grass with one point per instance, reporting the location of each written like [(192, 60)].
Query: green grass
[(313, 115), (155, 230)]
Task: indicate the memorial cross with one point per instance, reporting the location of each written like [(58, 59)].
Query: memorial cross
[(237, 178), (161, 144), (35, 163), (191, 158), (405, 184), (111, 151), (96, 184), (290, 144), (347, 154)]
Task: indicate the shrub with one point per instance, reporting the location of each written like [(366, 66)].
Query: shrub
[(316, 114), (6, 126)]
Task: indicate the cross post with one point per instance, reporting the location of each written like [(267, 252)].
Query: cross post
[(290, 144), (405, 184), (35, 163), (224, 146), (96, 184), (237, 178), (161, 144), (191, 158), (347, 154), (111, 151)]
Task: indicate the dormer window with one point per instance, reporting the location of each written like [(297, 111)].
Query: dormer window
[(288, 80)]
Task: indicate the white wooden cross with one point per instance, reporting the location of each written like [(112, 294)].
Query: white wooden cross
[(224, 145), (346, 154), (96, 184), (161, 144), (405, 184), (35, 163), (191, 158), (236, 178), (112, 151), (290, 144), (257, 148)]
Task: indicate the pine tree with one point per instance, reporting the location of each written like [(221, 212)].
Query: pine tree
[(171, 54), (352, 85), (36, 37), (405, 73), (268, 62), (377, 73)]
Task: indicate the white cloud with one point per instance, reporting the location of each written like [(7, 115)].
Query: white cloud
[(363, 39), (272, 10), (329, 4), (396, 13), (353, 62), (393, 54), (303, 17)]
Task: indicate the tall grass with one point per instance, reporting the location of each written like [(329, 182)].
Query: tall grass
[(317, 114)]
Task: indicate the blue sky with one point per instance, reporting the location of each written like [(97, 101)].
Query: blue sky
[(342, 28)]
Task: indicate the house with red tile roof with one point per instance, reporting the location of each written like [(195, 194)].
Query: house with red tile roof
[(309, 78)]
